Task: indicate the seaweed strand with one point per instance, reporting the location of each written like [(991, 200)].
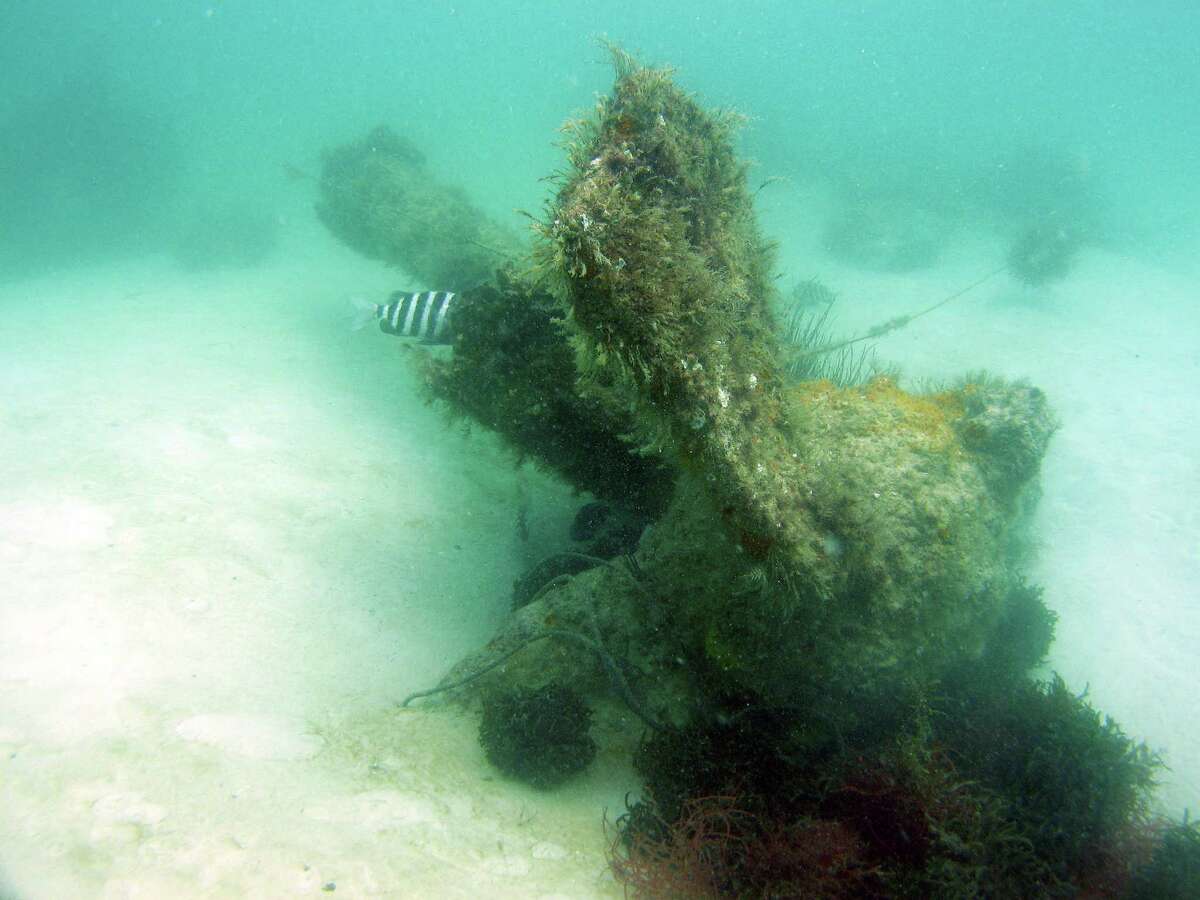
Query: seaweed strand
[(616, 678), (895, 324)]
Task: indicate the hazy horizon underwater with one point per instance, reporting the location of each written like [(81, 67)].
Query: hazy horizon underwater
[(236, 533)]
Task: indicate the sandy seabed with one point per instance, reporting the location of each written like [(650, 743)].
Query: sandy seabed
[(232, 536)]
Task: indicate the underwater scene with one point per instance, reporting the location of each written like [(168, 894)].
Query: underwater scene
[(541, 449)]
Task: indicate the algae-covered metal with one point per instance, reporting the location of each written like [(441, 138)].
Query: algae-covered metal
[(856, 537)]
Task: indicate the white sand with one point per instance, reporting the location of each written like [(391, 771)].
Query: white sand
[(231, 536)]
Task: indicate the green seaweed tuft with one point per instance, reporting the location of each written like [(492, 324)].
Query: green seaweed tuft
[(1072, 780), (1173, 873), (538, 736)]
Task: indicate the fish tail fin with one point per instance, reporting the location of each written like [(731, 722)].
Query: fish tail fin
[(362, 312)]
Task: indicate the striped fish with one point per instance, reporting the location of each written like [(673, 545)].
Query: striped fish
[(417, 314), (421, 315)]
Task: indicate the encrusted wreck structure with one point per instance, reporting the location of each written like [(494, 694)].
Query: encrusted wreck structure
[(807, 597), (822, 547)]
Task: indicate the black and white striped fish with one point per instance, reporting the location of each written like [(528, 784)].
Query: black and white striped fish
[(417, 314)]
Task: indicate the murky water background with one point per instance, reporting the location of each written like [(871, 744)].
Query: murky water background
[(231, 532)]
